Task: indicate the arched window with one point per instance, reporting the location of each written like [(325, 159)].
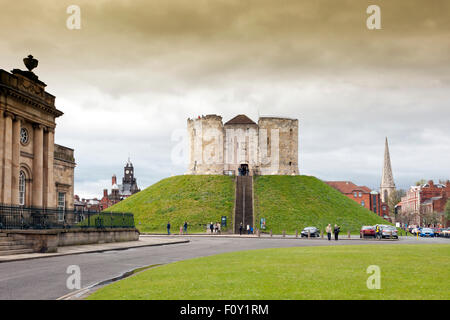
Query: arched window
[(22, 188)]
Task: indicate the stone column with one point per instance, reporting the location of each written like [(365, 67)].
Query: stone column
[(17, 124), (38, 165), (2, 152), (49, 183), (7, 169)]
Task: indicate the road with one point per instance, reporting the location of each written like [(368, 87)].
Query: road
[(46, 278)]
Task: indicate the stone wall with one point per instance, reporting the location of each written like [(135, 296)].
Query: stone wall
[(269, 147), (46, 241)]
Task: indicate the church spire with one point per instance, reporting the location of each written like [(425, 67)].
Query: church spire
[(387, 179)]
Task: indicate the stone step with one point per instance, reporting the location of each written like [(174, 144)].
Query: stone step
[(17, 251), (9, 242), (2, 234), (13, 247)]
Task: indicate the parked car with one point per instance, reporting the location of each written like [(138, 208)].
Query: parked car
[(445, 233), (313, 232), (367, 231), (414, 231), (427, 232), (388, 232)]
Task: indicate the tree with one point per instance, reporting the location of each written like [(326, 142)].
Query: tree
[(421, 182), (447, 209), (394, 199)]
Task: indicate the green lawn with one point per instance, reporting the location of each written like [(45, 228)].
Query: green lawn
[(196, 199), (294, 202), (331, 272)]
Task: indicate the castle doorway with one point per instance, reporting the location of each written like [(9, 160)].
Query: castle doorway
[(243, 170)]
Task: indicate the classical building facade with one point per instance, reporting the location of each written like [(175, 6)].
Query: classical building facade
[(34, 171), (243, 147)]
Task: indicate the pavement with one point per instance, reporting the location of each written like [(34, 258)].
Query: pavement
[(47, 278), (89, 248)]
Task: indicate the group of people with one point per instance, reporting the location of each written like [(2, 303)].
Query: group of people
[(183, 228), (249, 229), (336, 231), (214, 228)]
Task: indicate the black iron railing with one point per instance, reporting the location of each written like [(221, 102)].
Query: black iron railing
[(18, 217)]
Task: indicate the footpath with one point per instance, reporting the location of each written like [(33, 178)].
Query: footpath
[(143, 241)]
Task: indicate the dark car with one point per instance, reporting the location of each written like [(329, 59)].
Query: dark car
[(313, 232), (367, 231)]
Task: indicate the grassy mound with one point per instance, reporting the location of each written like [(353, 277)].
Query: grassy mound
[(294, 202), (330, 272), (196, 199)]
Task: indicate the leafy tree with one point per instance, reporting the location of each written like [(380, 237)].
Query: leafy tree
[(394, 199), (447, 210), (420, 182)]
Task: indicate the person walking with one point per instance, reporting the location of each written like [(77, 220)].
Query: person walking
[(218, 227), (168, 227), (328, 231), (241, 227), (185, 227), (248, 229), (337, 229), (211, 227)]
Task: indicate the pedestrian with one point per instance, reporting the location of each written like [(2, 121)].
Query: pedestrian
[(185, 227), (248, 229), (337, 229), (328, 231), (251, 230), (218, 227), (168, 227), (211, 227), (240, 228)]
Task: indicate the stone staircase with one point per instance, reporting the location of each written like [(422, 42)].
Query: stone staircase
[(9, 245), (244, 203)]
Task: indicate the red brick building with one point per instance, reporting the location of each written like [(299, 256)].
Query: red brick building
[(363, 195), (422, 200)]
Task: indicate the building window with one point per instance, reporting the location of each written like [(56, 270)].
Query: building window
[(360, 194), (22, 188), (24, 136), (355, 194), (363, 203), (61, 205)]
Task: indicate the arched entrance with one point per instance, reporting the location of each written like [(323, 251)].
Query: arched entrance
[(243, 170)]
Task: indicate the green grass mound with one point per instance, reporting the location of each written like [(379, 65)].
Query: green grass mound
[(196, 199), (293, 202), (331, 272)]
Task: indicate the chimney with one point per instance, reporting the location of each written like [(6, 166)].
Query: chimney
[(114, 180)]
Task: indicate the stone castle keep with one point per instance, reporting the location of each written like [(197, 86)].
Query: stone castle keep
[(242, 147)]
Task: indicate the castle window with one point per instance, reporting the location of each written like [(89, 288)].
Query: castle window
[(355, 194), (360, 194), (22, 188), (362, 203)]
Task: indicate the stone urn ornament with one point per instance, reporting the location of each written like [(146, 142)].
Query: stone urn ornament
[(30, 62)]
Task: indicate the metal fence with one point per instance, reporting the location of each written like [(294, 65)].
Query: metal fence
[(17, 217)]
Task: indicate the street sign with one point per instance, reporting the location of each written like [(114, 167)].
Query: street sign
[(224, 221)]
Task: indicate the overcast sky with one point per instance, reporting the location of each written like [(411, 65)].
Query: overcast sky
[(136, 70)]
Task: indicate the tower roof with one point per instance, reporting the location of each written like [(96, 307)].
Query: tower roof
[(387, 179), (241, 119)]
